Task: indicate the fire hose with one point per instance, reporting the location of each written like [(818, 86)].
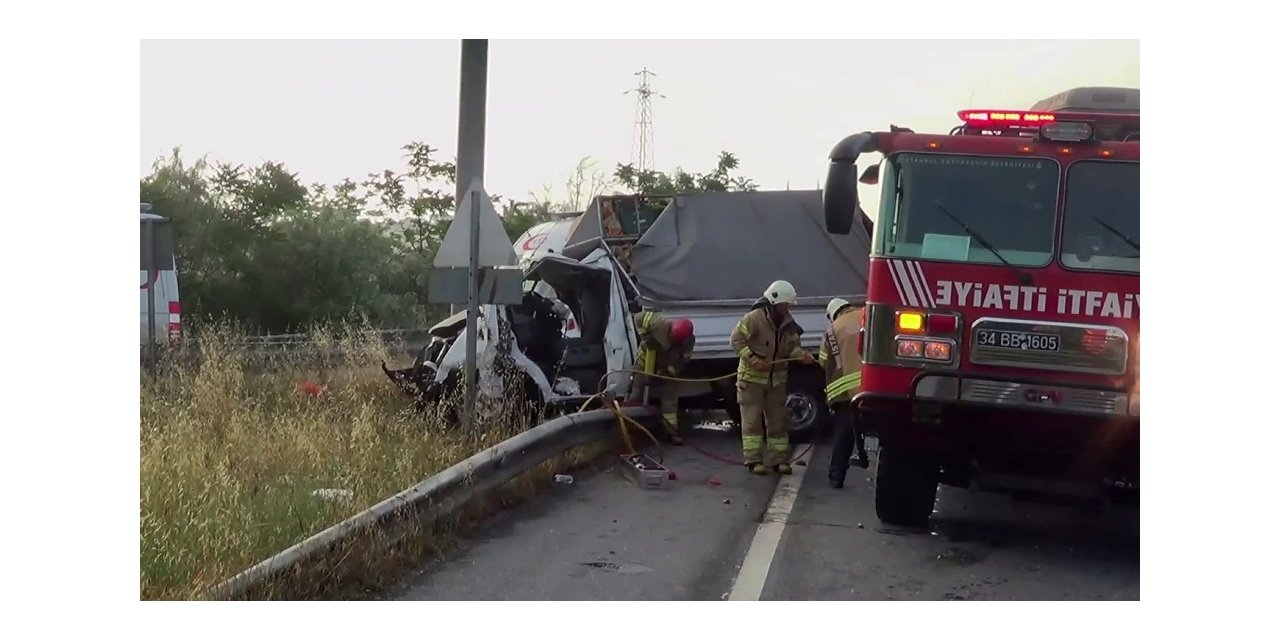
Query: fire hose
[(624, 420)]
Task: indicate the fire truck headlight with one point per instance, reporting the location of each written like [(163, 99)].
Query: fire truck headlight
[(910, 348), (937, 351), (1134, 402)]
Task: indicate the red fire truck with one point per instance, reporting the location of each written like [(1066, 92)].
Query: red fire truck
[(1000, 333)]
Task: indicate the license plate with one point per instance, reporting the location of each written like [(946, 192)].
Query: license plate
[(1020, 340)]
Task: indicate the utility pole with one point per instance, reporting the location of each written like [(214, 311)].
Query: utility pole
[(642, 141)]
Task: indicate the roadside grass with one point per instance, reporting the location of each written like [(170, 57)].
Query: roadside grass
[(231, 453)]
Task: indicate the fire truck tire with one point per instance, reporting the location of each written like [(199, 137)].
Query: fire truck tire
[(906, 486)]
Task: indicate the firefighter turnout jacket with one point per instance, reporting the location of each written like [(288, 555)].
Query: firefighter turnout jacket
[(757, 336), (658, 353), (839, 355)]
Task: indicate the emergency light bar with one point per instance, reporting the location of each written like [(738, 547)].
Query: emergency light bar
[(995, 119), (1053, 127)]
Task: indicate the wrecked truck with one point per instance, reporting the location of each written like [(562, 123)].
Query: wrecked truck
[(706, 257)]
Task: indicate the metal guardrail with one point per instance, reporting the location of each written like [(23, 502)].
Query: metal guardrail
[(405, 341), (299, 342), (421, 506), (264, 349), (388, 335)]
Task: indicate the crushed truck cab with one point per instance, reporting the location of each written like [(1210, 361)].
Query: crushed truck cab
[(528, 346), (1001, 331)]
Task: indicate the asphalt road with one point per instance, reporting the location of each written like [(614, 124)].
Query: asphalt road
[(604, 538), (978, 546)]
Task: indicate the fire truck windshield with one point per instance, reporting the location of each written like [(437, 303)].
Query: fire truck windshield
[(1100, 222), (1009, 202)]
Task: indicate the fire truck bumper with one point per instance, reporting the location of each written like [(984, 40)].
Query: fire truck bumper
[(1011, 425), (957, 389)]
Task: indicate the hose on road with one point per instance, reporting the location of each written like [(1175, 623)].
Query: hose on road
[(625, 421)]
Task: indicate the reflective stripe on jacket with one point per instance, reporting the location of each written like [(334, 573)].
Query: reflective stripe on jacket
[(840, 357), (757, 335)]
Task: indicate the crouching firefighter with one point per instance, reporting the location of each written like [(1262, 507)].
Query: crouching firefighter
[(666, 346), (843, 366), (765, 338)]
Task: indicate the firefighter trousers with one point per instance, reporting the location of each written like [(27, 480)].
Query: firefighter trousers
[(848, 433), (667, 395), (764, 423)]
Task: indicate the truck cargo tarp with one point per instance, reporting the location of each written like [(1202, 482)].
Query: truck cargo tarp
[(726, 246)]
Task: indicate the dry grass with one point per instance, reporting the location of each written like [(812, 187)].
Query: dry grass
[(230, 456)]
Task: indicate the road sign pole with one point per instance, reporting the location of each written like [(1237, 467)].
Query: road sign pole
[(473, 80), (473, 310)]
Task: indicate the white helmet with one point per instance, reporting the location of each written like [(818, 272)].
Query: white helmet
[(780, 292), (834, 307)]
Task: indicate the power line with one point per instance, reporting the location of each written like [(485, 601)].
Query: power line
[(642, 139)]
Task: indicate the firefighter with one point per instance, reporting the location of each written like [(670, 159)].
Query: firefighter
[(843, 366), (665, 348), (765, 338)]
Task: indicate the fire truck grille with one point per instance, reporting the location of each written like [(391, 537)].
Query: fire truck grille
[(1050, 397), (1051, 346)]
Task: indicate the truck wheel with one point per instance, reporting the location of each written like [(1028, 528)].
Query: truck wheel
[(806, 405), (906, 486)]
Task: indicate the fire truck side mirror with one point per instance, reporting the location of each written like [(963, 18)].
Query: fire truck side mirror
[(871, 175), (840, 197)]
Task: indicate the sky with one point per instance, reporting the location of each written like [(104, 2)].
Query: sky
[(333, 109)]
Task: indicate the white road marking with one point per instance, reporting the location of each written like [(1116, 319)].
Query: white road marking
[(749, 583)]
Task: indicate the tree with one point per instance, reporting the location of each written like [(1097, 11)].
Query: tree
[(583, 185), (681, 181), (224, 224), (257, 246)]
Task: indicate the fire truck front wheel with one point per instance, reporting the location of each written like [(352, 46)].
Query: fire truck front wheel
[(906, 486)]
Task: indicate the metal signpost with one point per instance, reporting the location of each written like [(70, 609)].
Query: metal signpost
[(473, 80), (473, 309), (474, 266), (474, 262)]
